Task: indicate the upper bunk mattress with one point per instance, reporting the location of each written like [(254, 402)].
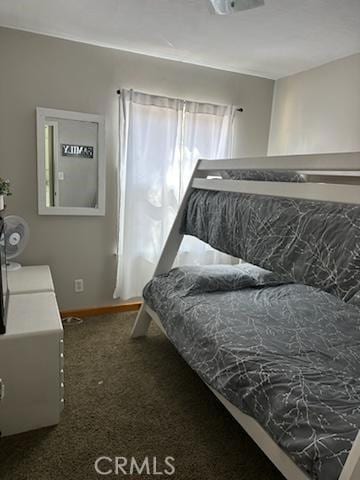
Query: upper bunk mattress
[(286, 354), (316, 243)]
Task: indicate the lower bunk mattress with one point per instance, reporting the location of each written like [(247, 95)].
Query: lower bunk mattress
[(286, 354)]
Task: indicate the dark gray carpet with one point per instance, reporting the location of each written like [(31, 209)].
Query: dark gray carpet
[(133, 398)]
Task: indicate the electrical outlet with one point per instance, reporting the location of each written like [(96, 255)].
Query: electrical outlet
[(79, 285)]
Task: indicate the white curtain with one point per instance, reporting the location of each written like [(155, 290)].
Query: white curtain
[(160, 141)]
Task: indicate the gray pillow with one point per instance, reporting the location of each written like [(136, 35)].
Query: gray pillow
[(265, 175), (193, 280)]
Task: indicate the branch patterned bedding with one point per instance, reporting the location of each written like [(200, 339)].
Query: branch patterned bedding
[(284, 353), (316, 243)]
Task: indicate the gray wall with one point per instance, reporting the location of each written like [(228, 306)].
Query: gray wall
[(317, 110), (43, 71)]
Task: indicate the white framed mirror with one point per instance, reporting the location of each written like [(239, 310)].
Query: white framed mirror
[(71, 162)]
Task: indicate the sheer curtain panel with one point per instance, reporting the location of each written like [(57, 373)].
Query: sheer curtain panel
[(160, 141)]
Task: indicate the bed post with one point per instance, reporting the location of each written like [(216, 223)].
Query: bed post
[(141, 323), (167, 256), (351, 469)]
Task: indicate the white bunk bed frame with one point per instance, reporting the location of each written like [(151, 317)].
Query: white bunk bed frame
[(332, 177)]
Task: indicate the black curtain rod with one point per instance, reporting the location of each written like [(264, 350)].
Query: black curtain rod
[(240, 109)]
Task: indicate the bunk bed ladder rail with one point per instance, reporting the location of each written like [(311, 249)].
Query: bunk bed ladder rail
[(168, 253), (351, 469)]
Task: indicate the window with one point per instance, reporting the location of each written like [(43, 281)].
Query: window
[(161, 139)]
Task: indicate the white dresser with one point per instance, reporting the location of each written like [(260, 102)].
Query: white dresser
[(31, 354)]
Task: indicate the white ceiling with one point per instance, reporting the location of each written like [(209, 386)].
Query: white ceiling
[(282, 38)]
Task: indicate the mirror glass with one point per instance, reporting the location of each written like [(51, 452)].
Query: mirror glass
[(70, 163)]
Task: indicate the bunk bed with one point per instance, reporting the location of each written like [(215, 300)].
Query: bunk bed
[(277, 339)]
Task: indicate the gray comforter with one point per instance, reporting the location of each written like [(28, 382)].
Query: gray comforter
[(316, 243), (288, 355)]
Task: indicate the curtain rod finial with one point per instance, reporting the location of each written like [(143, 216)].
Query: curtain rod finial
[(118, 92)]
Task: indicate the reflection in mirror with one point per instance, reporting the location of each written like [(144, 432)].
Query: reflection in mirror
[(71, 162), (49, 163)]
